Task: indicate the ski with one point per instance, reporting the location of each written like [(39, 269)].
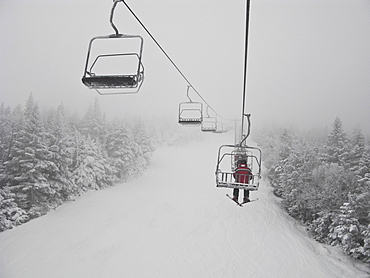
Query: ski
[(249, 202), (239, 204)]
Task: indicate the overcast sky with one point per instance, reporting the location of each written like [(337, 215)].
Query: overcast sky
[(309, 61)]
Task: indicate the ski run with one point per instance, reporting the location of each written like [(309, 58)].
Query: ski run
[(170, 222)]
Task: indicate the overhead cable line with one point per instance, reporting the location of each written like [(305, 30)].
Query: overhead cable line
[(168, 57)]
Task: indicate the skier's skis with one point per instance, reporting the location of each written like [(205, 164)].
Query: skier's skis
[(248, 202), (239, 204)]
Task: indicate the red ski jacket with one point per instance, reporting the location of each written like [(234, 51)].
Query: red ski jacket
[(243, 174)]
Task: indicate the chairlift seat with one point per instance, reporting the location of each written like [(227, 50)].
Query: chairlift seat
[(190, 121), (227, 180), (209, 129), (110, 81)]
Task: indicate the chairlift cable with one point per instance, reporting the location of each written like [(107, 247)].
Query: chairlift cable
[(168, 57)]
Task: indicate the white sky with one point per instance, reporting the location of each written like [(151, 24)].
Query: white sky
[(309, 61)]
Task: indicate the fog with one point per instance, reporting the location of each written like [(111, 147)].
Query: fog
[(308, 61)]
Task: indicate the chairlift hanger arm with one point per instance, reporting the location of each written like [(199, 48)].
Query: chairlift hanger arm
[(207, 112), (111, 16), (187, 93), (249, 129)]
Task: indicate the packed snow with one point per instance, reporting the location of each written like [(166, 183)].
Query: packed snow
[(170, 222)]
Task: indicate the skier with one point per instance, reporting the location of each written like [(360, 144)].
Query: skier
[(242, 174)]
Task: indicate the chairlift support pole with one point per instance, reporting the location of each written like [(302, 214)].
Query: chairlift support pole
[(245, 65)]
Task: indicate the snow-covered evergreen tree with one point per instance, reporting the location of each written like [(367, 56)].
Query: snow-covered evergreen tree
[(356, 152), (90, 167), (336, 149), (94, 123), (28, 166), (363, 169), (10, 214), (365, 251), (142, 138), (60, 148), (5, 130), (120, 150), (320, 226), (345, 230), (5, 139)]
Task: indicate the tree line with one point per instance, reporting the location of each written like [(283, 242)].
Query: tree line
[(323, 179), (50, 157)]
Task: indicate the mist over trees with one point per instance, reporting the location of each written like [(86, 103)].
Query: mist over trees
[(323, 179), (51, 157)]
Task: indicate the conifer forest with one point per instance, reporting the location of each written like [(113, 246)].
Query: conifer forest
[(50, 157), (323, 179)]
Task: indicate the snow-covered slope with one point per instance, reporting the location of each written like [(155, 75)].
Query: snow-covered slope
[(171, 222)]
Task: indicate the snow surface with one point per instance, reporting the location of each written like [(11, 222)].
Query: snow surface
[(171, 222)]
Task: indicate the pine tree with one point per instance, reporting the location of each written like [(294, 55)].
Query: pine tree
[(320, 226), (119, 147), (91, 169), (28, 165), (5, 130), (10, 214), (142, 138), (5, 139), (60, 151), (286, 144), (94, 123), (336, 147), (357, 150), (365, 251), (345, 230), (363, 169)]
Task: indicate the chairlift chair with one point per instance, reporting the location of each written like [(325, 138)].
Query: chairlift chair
[(227, 157), (114, 62), (128, 73), (209, 124), (190, 113)]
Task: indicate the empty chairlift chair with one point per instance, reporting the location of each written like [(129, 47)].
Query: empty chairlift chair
[(190, 113), (209, 124), (120, 69), (114, 63)]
